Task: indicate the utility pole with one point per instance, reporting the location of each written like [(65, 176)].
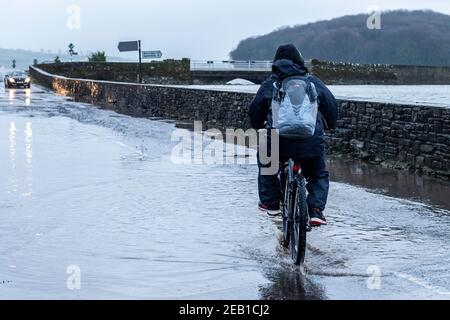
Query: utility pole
[(140, 62)]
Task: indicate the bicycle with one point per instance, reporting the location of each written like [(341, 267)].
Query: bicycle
[(294, 211)]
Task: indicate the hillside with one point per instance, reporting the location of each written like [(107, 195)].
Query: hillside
[(406, 38)]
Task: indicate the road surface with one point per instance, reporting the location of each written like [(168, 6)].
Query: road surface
[(91, 206)]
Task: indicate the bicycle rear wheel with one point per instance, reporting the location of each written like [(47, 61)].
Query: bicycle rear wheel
[(299, 227)]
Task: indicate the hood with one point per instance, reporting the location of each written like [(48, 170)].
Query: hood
[(289, 52), (286, 68)]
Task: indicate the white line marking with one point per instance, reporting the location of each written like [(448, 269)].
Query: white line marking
[(422, 283), (131, 149)]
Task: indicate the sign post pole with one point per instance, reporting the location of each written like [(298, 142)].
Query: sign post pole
[(128, 46), (140, 62)]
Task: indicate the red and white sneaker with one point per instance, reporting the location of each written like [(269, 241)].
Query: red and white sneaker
[(271, 211), (317, 218)]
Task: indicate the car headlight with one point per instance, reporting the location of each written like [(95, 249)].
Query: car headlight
[(11, 80), (27, 79)]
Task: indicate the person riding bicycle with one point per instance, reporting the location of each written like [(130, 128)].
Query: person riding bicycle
[(309, 152)]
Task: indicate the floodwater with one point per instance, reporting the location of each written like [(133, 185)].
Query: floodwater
[(392, 182), (433, 95), (93, 191)]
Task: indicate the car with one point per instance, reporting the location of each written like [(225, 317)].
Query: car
[(17, 79)]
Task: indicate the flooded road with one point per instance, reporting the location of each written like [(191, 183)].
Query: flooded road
[(94, 191), (429, 95)]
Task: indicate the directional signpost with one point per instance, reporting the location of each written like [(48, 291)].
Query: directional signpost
[(129, 46), (151, 54)]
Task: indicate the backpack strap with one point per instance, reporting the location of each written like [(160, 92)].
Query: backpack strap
[(277, 90)]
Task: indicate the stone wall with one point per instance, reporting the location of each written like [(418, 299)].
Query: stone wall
[(352, 74), (402, 136), (160, 72), (178, 72), (377, 74), (408, 137), (408, 75)]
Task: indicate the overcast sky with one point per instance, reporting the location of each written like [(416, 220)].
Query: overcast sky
[(199, 29)]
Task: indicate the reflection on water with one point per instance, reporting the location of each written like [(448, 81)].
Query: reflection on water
[(12, 96), (14, 158), (29, 159), (12, 155), (291, 285), (28, 97), (392, 182), (16, 95)]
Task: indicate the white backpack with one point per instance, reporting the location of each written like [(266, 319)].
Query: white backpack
[(295, 107)]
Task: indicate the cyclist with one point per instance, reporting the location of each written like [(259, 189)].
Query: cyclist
[(310, 152)]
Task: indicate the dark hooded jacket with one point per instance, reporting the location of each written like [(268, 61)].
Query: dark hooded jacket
[(289, 62)]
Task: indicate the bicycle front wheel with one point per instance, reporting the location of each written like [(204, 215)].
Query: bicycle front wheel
[(300, 224), (287, 180)]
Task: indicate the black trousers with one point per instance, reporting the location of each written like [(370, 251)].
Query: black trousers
[(315, 173)]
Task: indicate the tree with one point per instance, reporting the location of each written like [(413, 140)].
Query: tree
[(99, 56), (35, 62), (72, 50), (14, 62), (57, 59)]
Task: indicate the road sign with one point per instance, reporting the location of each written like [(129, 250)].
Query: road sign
[(127, 46), (151, 54)]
